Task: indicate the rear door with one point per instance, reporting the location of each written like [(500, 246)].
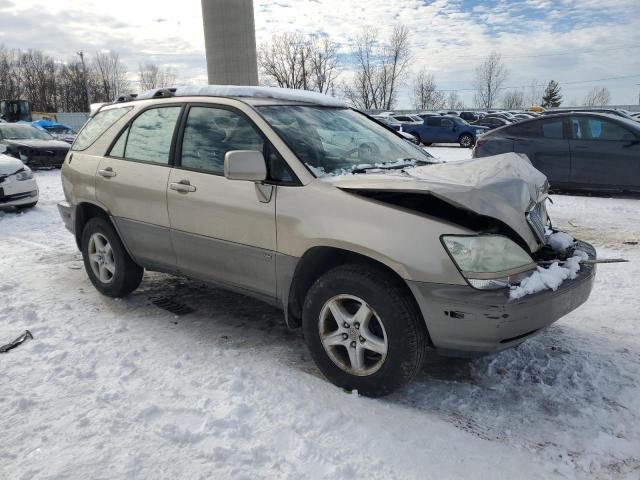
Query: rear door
[(132, 182), (546, 144), (223, 231), (604, 154)]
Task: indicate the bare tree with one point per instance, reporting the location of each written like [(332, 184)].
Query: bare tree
[(597, 97), (110, 76), (490, 77), (151, 76), (379, 69), (324, 65), (10, 85), (454, 102), (71, 91), (38, 76), (292, 60), (513, 100), (426, 95)]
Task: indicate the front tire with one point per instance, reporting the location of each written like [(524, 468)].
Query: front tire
[(110, 268), (465, 140), (363, 330)]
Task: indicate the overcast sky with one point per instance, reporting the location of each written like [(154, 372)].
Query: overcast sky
[(567, 40)]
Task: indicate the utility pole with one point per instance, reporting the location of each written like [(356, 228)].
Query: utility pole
[(86, 79)]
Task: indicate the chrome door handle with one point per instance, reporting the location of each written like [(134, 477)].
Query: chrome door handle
[(183, 186), (107, 172)]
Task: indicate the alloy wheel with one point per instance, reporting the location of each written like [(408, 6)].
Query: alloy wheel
[(101, 258), (353, 335)]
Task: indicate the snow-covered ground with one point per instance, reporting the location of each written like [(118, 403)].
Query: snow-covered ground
[(122, 389)]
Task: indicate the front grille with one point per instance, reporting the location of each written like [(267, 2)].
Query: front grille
[(538, 220)]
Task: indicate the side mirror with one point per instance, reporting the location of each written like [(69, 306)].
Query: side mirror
[(246, 165)]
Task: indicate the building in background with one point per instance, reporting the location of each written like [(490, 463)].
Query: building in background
[(230, 42)]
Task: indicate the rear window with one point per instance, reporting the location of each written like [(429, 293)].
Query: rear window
[(97, 125)]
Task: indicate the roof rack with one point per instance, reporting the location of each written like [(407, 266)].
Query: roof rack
[(126, 98)]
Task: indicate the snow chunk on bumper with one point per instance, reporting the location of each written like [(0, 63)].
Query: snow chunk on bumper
[(549, 278)]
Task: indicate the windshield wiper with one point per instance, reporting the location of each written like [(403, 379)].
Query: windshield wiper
[(396, 165)]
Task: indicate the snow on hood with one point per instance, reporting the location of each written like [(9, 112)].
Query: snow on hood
[(286, 94), (9, 165), (503, 187)]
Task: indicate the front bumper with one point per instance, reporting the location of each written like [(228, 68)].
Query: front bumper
[(15, 193), (463, 321)]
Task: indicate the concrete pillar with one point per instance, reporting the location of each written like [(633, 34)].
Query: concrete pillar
[(230, 42)]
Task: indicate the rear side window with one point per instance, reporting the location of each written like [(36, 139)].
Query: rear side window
[(527, 129), (433, 122), (552, 129), (149, 137), (97, 125)]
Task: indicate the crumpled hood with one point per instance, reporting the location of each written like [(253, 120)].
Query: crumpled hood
[(9, 165), (39, 144), (503, 187)]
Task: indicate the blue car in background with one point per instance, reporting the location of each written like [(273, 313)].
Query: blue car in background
[(445, 129)]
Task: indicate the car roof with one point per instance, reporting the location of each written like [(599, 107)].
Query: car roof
[(628, 122), (257, 96)]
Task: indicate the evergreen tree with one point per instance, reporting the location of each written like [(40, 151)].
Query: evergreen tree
[(552, 96)]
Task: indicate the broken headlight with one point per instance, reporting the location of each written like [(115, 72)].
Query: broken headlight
[(488, 262)]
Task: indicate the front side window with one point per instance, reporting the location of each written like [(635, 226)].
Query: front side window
[(212, 132), (447, 123), (334, 141), (585, 128), (150, 134), (97, 125)]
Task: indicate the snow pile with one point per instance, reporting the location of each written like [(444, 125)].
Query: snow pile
[(549, 278)]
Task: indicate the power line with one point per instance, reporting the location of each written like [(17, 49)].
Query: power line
[(544, 84), (568, 52)]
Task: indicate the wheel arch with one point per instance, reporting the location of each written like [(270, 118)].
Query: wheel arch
[(84, 212), (320, 259)]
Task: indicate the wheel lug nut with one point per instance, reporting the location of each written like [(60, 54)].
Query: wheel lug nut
[(361, 339), (345, 336), (353, 344), (357, 325), (345, 325)]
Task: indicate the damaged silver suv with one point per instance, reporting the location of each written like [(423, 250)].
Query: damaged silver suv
[(379, 252)]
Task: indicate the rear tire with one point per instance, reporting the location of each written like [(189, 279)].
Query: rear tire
[(364, 330), (110, 268)]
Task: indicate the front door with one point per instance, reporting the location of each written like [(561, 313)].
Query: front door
[(223, 231), (131, 182), (603, 154)]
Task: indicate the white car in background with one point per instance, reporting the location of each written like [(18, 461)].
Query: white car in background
[(18, 188)]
